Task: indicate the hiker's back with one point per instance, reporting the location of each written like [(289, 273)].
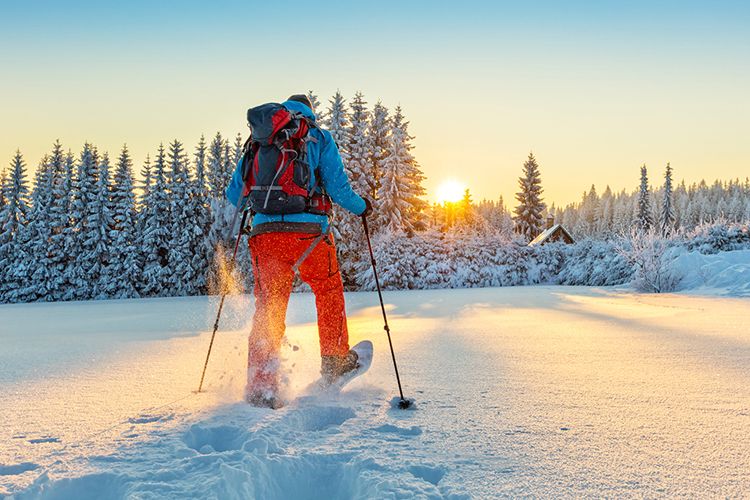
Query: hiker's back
[(325, 175)]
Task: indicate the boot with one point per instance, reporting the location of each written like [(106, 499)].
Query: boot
[(333, 367), (264, 399), (263, 388)]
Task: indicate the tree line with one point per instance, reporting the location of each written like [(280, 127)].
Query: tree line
[(87, 229), (664, 209)]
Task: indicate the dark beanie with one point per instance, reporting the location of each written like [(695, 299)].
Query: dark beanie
[(301, 98)]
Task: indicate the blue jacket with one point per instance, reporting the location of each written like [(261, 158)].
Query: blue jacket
[(324, 155)]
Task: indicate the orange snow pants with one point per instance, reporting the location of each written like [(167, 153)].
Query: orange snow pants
[(273, 256)]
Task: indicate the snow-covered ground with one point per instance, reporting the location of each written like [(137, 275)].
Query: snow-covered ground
[(543, 391)]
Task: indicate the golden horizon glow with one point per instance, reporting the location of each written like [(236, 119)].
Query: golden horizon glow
[(475, 118), (450, 191)]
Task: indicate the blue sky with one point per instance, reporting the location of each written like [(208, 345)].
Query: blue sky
[(594, 88)]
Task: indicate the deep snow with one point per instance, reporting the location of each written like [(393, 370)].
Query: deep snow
[(544, 391)]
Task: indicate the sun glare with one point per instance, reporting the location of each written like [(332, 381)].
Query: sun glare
[(449, 191)]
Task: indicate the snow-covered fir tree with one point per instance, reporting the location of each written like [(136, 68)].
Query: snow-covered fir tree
[(82, 215), (214, 175), (203, 251), (70, 237), (357, 152), (59, 223), (33, 273), (529, 212), (587, 213), (3, 184), (222, 212), (125, 258), (157, 239), (238, 150), (667, 212), (604, 215), (337, 123), (467, 214), (413, 179), (145, 183), (97, 237), (360, 148), (380, 129), (392, 202), (316, 106), (497, 217), (645, 215), (183, 227), (229, 160), (13, 220), (400, 206)]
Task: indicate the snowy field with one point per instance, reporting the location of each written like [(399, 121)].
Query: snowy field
[(542, 391)]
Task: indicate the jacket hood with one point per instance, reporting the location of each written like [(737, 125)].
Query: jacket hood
[(300, 108)]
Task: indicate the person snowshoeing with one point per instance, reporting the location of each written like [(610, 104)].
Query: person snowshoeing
[(284, 239)]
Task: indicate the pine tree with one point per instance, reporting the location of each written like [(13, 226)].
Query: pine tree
[(203, 251), (506, 220), (125, 258), (84, 199), (466, 210), (399, 205), (337, 123), (100, 224), (33, 274), (360, 148), (413, 176), (13, 220), (156, 239), (644, 218), (380, 128), (145, 184), (392, 205), (3, 184), (215, 167), (528, 218), (347, 227), (221, 211), (182, 222), (667, 212), (69, 232), (228, 163), (59, 222), (604, 216), (236, 155), (587, 213), (317, 109)]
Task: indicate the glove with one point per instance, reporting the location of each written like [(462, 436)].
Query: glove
[(368, 208)]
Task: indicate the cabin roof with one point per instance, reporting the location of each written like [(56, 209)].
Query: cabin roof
[(548, 233)]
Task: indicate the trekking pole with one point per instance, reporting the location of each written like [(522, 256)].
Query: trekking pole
[(403, 403), (224, 292)]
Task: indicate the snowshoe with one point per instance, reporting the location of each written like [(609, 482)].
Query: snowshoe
[(337, 371)]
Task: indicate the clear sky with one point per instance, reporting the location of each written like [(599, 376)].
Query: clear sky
[(594, 88)]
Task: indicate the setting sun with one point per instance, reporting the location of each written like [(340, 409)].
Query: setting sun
[(449, 191)]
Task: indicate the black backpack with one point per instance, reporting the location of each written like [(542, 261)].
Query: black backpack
[(275, 168)]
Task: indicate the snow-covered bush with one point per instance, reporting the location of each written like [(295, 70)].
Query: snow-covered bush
[(652, 257), (434, 260), (721, 236), (594, 263)]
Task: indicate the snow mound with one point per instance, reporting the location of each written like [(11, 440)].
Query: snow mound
[(723, 273)]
